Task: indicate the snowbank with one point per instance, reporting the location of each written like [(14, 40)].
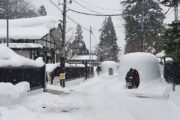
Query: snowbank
[(161, 54), (174, 96), (9, 58), (146, 64), (149, 71), (51, 67), (106, 65), (11, 94)]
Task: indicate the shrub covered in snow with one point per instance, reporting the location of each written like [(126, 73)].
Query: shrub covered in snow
[(10, 94), (9, 58)]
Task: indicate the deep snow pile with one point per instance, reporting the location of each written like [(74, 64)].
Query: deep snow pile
[(149, 70), (11, 94), (9, 58), (106, 65), (51, 67)]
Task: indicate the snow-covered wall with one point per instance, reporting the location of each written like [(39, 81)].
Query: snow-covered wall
[(146, 64)]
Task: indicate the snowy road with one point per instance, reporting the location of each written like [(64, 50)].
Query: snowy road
[(107, 99), (99, 98)]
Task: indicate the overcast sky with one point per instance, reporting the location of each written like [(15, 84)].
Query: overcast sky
[(101, 6)]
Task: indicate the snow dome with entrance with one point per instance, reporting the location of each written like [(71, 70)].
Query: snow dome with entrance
[(109, 68), (146, 64)]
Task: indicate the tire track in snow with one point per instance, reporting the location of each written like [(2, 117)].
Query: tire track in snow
[(160, 109), (104, 107)]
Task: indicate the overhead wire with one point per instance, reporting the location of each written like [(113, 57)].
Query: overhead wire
[(68, 16), (75, 21), (99, 6), (86, 7), (90, 14)]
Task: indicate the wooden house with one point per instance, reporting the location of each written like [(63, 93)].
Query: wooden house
[(33, 37)]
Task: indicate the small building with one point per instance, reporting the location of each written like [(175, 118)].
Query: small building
[(79, 59), (33, 37)]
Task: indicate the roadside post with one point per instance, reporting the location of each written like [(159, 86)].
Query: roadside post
[(62, 72)]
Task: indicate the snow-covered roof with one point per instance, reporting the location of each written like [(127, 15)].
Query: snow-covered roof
[(84, 57), (28, 28), (77, 65), (24, 45), (9, 58)]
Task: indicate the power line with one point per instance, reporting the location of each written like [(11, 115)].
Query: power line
[(94, 36), (77, 23), (68, 16), (100, 15), (167, 11), (86, 7), (99, 6)]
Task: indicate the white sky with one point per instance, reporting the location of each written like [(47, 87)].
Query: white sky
[(87, 21), (94, 22)]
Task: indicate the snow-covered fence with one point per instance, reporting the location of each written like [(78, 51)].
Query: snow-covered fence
[(75, 72), (172, 72), (34, 75)]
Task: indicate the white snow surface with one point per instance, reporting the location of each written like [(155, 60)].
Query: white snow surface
[(84, 57), (28, 28), (145, 63), (51, 67), (161, 54), (149, 71), (98, 98), (24, 45), (9, 58), (10, 94), (106, 65)]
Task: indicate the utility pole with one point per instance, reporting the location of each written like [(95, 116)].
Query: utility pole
[(7, 19), (176, 21), (142, 26), (90, 50), (62, 58), (176, 11)]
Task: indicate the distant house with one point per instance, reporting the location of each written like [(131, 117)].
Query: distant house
[(79, 59), (79, 47), (33, 37)]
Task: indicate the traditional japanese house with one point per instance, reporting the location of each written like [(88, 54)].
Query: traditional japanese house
[(33, 37)]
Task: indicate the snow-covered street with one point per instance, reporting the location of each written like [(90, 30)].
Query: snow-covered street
[(98, 98)]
